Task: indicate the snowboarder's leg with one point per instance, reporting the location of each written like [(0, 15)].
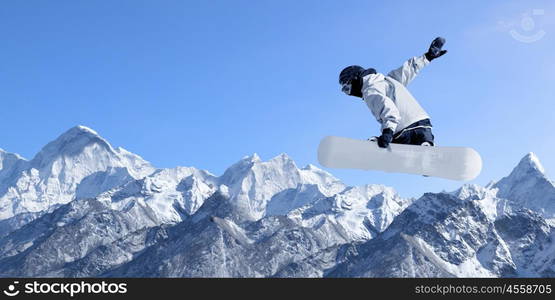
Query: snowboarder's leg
[(403, 138), (418, 133), (417, 136), (421, 136)]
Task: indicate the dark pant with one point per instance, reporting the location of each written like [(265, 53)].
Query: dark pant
[(415, 134)]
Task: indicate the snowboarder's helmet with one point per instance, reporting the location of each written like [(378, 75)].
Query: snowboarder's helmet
[(350, 73)]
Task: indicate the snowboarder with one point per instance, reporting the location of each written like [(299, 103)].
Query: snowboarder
[(402, 119)]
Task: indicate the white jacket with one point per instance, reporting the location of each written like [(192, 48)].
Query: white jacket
[(389, 99)]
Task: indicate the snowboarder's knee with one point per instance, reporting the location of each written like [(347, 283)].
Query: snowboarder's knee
[(423, 135)]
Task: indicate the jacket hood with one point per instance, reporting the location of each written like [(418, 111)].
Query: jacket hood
[(371, 78)]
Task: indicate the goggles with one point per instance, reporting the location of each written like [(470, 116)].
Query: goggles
[(346, 88)]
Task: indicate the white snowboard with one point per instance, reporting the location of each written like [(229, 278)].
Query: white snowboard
[(457, 163)]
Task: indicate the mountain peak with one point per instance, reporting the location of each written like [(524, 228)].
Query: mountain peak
[(283, 156), (4, 153), (529, 168), (78, 162), (78, 131), (251, 158), (71, 142), (84, 129), (255, 158), (283, 160), (529, 187), (530, 163)]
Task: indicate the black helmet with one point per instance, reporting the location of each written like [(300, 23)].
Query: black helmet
[(350, 79), (350, 73)]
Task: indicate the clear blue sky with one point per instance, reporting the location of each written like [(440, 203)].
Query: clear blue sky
[(204, 83)]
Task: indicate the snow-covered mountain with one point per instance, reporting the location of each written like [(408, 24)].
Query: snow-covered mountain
[(441, 235), (78, 163), (82, 208), (529, 187)]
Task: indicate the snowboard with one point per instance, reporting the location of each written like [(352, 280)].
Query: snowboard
[(456, 163)]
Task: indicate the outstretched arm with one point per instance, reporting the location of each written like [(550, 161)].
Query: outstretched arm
[(406, 73)]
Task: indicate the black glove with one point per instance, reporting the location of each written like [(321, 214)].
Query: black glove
[(385, 138), (435, 49)]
